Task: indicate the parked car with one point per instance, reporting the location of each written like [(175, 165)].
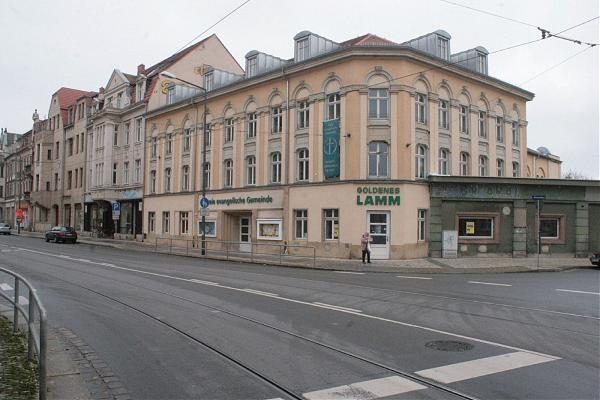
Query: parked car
[(61, 233), (4, 228), (595, 259)]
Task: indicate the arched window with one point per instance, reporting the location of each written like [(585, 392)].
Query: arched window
[(333, 106), (167, 179), (251, 170), (303, 114), (276, 167), (464, 163), (421, 162), (185, 178), (302, 165), (483, 166), (206, 175), (420, 108), (228, 173), (444, 160), (516, 170), (500, 167), (378, 160)]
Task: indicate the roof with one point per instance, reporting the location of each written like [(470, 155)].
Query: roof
[(131, 78), (368, 40), (67, 97)]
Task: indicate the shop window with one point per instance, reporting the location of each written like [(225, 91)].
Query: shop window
[(211, 228), (166, 221), (332, 224), (301, 224), (474, 227), (552, 228), (269, 229)]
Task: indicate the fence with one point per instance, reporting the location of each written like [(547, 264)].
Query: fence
[(36, 342), (283, 254)]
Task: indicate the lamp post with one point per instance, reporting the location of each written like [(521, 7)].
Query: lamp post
[(170, 75)]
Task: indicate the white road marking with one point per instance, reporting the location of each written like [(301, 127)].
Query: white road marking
[(577, 291), (412, 277), (483, 366), (349, 272), (204, 282), (489, 283), (374, 317), (23, 300), (366, 390), (6, 287), (337, 308), (260, 292)]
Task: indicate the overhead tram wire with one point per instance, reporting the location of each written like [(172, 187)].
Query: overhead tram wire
[(489, 13), (556, 65)]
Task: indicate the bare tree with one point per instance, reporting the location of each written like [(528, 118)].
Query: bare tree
[(575, 175)]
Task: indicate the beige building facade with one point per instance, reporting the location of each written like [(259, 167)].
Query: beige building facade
[(340, 140)]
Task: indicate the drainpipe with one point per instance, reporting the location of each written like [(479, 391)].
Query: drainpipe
[(286, 197)]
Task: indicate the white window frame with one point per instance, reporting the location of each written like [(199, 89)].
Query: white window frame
[(228, 173), (274, 231), (302, 49), (301, 221), (378, 103), (166, 221), (500, 167), (421, 225), (333, 106), (558, 227), (276, 120), (464, 163), (251, 122), (251, 67), (138, 130), (171, 94), (474, 217), (302, 165), (442, 44), (169, 144), (421, 161), (463, 119), (185, 178), (275, 167), (187, 139), (444, 121), (483, 165), (516, 137), (251, 170), (303, 114), (378, 150), (482, 124), (167, 180), (499, 129), (184, 222), (206, 173), (331, 217), (228, 126), (420, 108), (516, 169), (444, 161), (153, 181), (151, 221)]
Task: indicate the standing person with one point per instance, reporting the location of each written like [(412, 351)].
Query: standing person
[(365, 245)]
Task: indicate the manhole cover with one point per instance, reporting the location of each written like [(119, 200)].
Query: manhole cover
[(449, 345)]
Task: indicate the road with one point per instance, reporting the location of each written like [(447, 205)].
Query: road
[(181, 328)]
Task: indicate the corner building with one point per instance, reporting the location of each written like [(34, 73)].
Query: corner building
[(341, 139)]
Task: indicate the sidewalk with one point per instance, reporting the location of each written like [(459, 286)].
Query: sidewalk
[(481, 264)]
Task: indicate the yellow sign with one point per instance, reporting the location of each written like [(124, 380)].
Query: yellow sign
[(470, 227), (164, 86)]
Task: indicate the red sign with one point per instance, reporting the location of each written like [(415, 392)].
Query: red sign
[(19, 213)]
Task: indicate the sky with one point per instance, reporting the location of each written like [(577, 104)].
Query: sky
[(73, 43)]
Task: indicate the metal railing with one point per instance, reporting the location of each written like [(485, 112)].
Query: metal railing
[(36, 342), (283, 254)]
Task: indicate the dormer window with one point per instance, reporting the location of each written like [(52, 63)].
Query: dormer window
[(208, 81), (442, 45), (171, 94), (302, 50), (482, 63), (251, 65)]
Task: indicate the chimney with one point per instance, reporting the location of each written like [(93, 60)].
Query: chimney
[(141, 70), (36, 116)]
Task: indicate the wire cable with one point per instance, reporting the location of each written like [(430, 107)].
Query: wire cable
[(556, 65), (489, 13)]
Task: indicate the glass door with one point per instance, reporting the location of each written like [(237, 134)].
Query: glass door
[(245, 244), (379, 229)]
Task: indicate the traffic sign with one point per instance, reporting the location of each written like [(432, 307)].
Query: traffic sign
[(204, 212), (204, 202), (538, 197), (19, 213), (116, 210)]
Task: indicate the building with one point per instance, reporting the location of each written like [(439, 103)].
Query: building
[(543, 164), (337, 141), (116, 135), (18, 180), (6, 141)]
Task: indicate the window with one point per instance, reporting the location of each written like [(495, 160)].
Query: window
[(228, 173), (550, 228), (476, 227), (169, 144), (483, 166), (81, 143), (250, 170), (167, 179), (302, 50), (154, 147), (166, 221), (126, 172), (301, 224), (138, 130), (229, 130), (482, 63), (276, 167), (251, 125), (69, 180), (442, 45), (55, 182), (81, 177), (482, 124), (421, 162), (76, 144), (184, 220), (443, 117), (70, 147), (49, 154), (269, 229), (119, 98), (378, 160), (211, 228), (138, 170), (251, 67), (499, 130), (126, 134), (115, 135), (463, 119), (187, 139), (206, 175), (332, 224), (151, 221), (185, 178), (303, 115), (207, 137), (515, 133), (302, 164), (276, 120), (76, 184), (114, 174), (57, 151), (37, 183), (171, 94), (464, 164), (516, 169), (209, 81), (500, 167), (378, 103), (444, 167), (333, 106), (420, 108), (421, 225)]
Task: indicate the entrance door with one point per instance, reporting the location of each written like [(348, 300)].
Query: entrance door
[(379, 229), (245, 244)]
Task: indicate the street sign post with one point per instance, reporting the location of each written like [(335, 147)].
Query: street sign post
[(539, 198), (204, 202), (116, 211), (19, 218)]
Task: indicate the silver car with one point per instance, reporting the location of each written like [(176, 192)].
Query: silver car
[(4, 228)]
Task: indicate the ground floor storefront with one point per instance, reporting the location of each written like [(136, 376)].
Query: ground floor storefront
[(117, 214)]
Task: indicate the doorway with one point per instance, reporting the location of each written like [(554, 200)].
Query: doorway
[(379, 227), (245, 234)]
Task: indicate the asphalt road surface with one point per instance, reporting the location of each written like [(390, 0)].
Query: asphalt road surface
[(181, 328)]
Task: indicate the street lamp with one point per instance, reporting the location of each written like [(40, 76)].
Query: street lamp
[(170, 75)]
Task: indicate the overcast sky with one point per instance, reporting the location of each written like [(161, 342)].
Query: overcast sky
[(73, 43)]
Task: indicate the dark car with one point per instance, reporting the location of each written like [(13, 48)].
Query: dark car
[(595, 259), (61, 234)]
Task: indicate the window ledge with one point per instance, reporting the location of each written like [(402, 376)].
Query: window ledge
[(378, 122)]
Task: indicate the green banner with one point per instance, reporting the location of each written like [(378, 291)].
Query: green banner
[(331, 148)]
